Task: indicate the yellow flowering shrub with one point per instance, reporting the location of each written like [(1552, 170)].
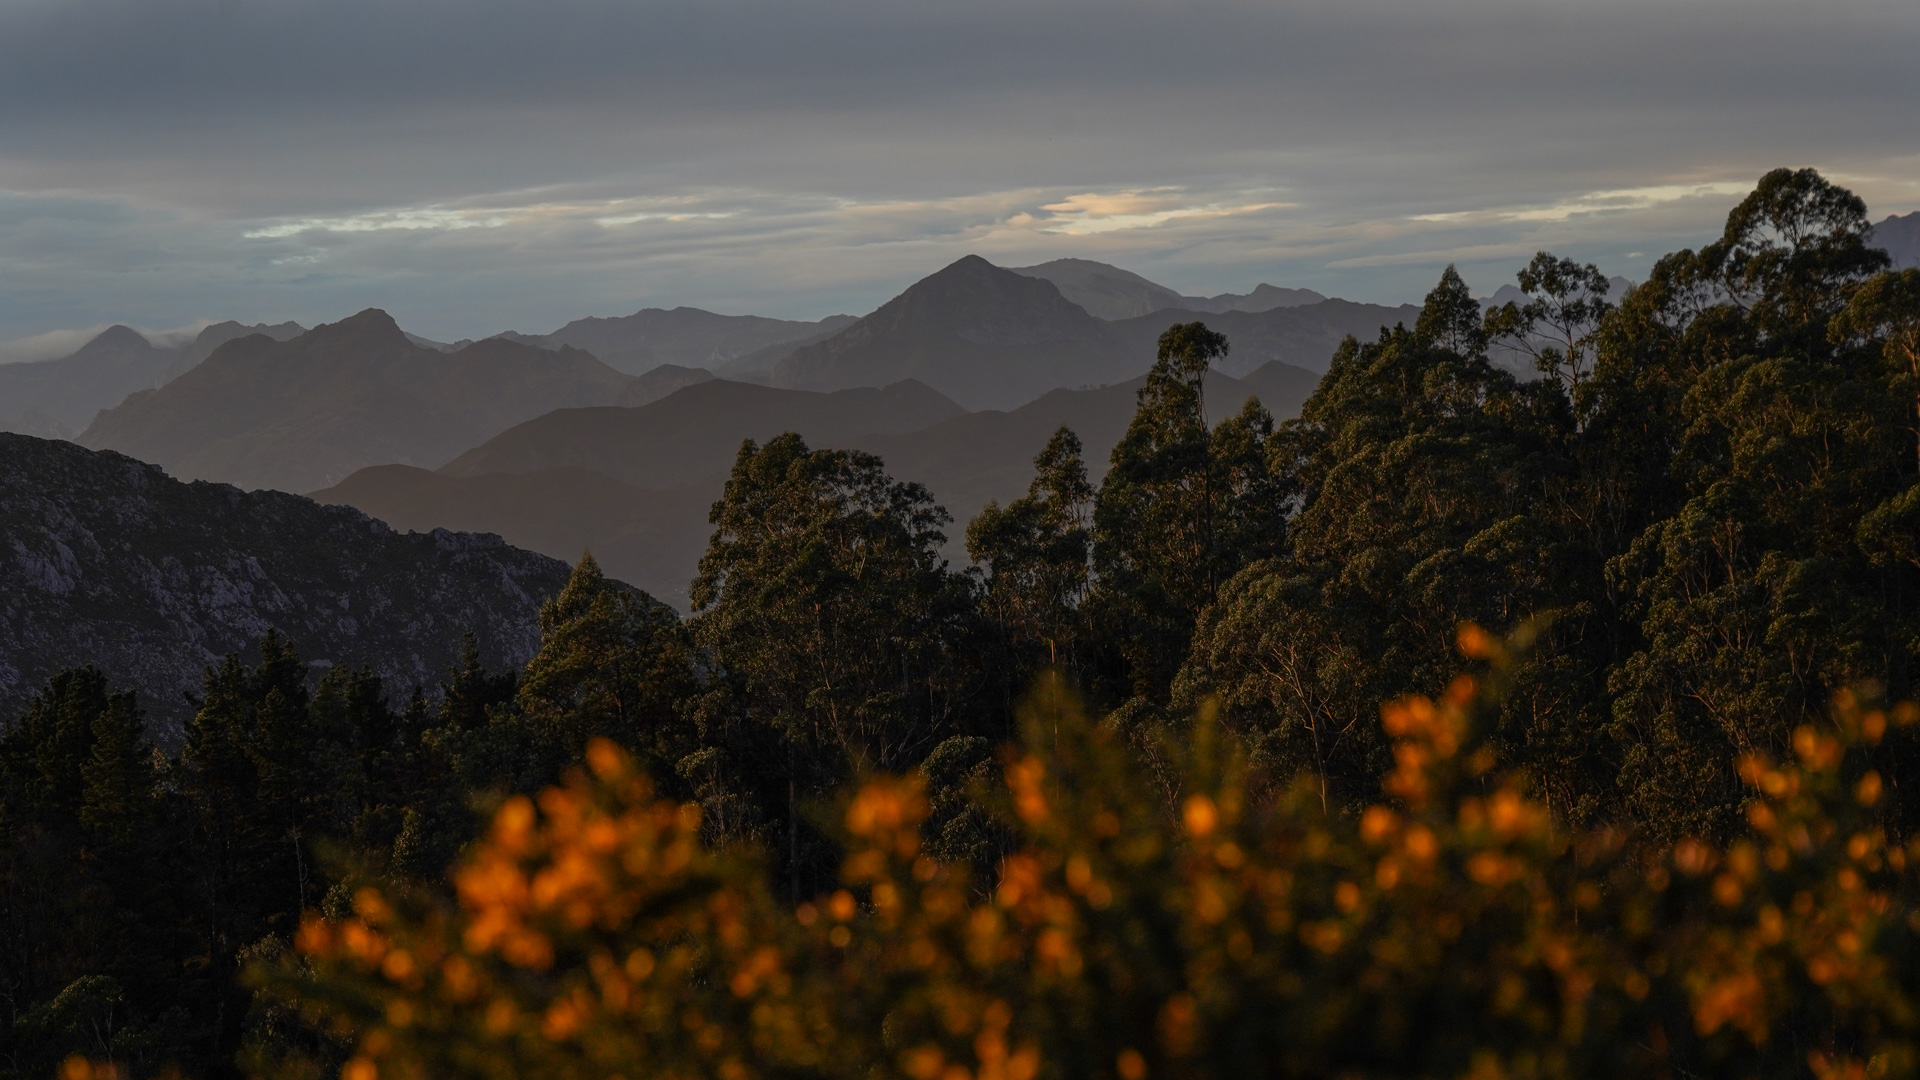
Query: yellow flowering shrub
[(1455, 929)]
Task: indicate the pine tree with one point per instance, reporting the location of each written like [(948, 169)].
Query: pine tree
[(117, 796)]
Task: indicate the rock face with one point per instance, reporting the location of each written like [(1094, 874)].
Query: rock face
[(107, 560)]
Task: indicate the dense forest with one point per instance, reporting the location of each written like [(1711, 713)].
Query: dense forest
[(862, 793)]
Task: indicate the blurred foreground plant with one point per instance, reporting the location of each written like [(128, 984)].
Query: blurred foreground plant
[(1454, 930)]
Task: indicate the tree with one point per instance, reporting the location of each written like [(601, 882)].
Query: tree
[(1566, 304), (1887, 308), (841, 640), (1754, 595), (1180, 510), (1034, 552), (611, 663), (1422, 482)]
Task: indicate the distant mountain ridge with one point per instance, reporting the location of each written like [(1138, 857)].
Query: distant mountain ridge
[(1899, 236), (691, 435), (304, 413), (635, 485), (991, 338), (983, 336), (1108, 292), (107, 560), (58, 398), (684, 336)]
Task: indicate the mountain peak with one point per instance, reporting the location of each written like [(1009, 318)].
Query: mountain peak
[(981, 335), (118, 338), (372, 326)]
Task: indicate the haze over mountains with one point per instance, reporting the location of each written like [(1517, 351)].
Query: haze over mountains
[(1900, 236), (685, 336), (635, 485), (992, 338), (304, 413), (1109, 292), (58, 398)]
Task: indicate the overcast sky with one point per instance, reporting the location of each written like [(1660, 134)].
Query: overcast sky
[(481, 166)]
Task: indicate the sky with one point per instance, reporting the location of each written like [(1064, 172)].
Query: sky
[(481, 166)]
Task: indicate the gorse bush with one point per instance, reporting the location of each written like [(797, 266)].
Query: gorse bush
[(1452, 928)]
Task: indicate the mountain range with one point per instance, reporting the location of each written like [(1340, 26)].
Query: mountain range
[(1900, 236), (108, 560), (688, 337), (58, 398), (303, 413), (1108, 292), (991, 338), (635, 485)]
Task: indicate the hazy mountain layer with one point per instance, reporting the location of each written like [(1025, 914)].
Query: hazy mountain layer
[(1105, 292), (106, 560), (650, 539), (556, 490), (661, 381), (301, 414), (983, 336), (1303, 336), (1900, 236), (1109, 292), (993, 338), (685, 336), (1264, 297), (58, 398), (693, 434)]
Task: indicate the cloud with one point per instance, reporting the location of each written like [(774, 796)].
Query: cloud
[(53, 344), (1620, 201), (486, 163), (47, 346)]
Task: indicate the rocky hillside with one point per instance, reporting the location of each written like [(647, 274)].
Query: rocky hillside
[(106, 560)]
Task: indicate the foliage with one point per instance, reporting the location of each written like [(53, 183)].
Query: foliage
[(1449, 929), (1180, 510), (1034, 552), (839, 635)]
